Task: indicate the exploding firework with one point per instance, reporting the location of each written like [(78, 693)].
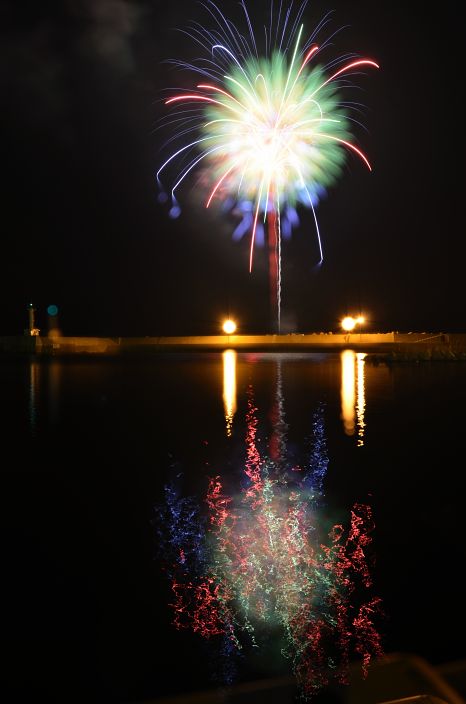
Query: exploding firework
[(270, 131)]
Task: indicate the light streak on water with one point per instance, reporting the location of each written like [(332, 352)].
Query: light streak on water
[(348, 391), (353, 394), (229, 388), (277, 443), (34, 375), (361, 397)]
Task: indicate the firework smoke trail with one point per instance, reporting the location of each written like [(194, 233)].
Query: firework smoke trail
[(267, 133), (263, 560)]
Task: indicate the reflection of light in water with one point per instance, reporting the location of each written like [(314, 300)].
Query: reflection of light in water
[(49, 378), (263, 559), (54, 374), (361, 398), (352, 381), (34, 371), (277, 442), (348, 390), (229, 387)]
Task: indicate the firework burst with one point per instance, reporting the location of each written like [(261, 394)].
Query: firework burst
[(270, 132)]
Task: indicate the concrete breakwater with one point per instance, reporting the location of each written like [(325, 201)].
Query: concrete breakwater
[(409, 345)]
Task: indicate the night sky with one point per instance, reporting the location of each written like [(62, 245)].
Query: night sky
[(82, 86)]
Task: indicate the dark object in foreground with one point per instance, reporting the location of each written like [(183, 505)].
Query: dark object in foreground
[(400, 676), (423, 699), (394, 679)]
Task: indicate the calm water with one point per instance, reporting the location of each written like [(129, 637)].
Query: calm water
[(91, 548)]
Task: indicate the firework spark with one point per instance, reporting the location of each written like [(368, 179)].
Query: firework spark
[(269, 132)]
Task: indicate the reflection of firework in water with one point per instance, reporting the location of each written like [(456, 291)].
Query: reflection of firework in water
[(263, 561), (270, 131)]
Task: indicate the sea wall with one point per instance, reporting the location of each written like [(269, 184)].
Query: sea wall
[(407, 343)]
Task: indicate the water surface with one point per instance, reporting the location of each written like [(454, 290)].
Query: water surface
[(89, 447)]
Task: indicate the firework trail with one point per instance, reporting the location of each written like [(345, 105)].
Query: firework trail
[(268, 132)]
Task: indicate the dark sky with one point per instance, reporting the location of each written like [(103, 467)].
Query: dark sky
[(81, 84)]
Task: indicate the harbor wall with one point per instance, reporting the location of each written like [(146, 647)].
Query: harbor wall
[(369, 342)]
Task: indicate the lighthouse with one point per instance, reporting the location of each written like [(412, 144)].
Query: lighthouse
[(32, 323)]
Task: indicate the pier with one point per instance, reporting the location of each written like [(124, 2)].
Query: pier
[(435, 345)]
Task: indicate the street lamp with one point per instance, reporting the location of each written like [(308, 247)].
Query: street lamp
[(229, 327), (349, 323)]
